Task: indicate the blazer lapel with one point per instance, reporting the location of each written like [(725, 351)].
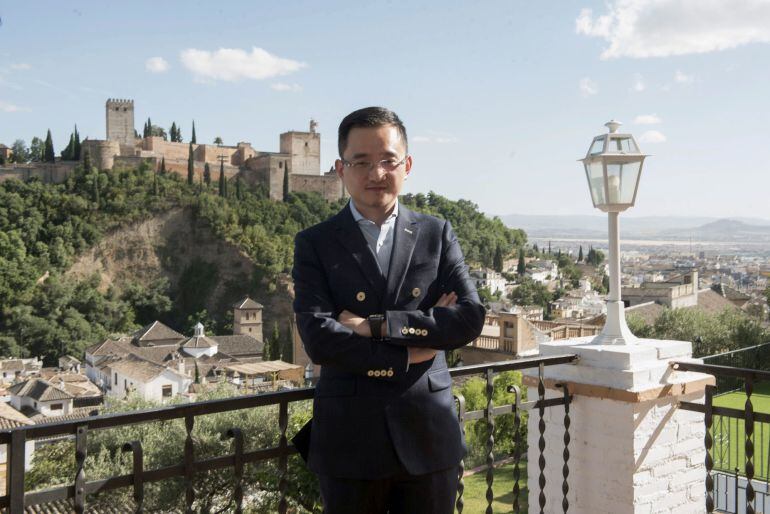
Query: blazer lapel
[(349, 235), (404, 240)]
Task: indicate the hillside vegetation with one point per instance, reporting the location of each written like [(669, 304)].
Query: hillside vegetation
[(106, 252)]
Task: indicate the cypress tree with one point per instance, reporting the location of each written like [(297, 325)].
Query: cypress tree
[(285, 183), (193, 139), (521, 267), (549, 248), (238, 192), (172, 132), (222, 182), (155, 184), (149, 127), (498, 260), (190, 166), (76, 156), (86, 161), (207, 175), (535, 248), (197, 374), (69, 151), (49, 154), (97, 197), (580, 254), (163, 166)]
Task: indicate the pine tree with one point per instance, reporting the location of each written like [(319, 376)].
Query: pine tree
[(285, 183), (149, 127), (580, 254), (193, 139), (69, 151), (222, 181), (49, 154), (521, 266), (207, 175), (190, 166)]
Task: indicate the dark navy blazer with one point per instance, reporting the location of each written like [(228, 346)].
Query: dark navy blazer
[(372, 410)]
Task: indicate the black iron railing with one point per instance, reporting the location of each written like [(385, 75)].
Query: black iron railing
[(726, 428), (192, 463)]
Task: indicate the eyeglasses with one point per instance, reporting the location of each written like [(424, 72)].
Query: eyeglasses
[(388, 165)]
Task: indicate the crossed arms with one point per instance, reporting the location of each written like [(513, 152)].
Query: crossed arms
[(344, 341)]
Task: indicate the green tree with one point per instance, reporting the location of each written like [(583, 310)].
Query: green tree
[(207, 175), (285, 183), (36, 150), (238, 187), (20, 152), (498, 260), (87, 165), (193, 139), (218, 141), (163, 166), (580, 254), (190, 165), (222, 180), (529, 292), (521, 266), (49, 155)]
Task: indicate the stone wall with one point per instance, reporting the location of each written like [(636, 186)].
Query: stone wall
[(329, 185), (102, 152), (305, 151), (46, 172)]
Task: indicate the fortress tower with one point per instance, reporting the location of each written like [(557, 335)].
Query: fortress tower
[(304, 149), (120, 121)]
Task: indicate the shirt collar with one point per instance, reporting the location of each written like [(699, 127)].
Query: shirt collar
[(359, 217)]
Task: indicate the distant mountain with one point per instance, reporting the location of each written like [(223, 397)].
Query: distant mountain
[(647, 227), (722, 230)]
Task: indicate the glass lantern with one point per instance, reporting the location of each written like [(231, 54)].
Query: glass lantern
[(613, 166)]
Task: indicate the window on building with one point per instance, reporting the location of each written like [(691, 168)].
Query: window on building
[(57, 406), (250, 329), (166, 391)]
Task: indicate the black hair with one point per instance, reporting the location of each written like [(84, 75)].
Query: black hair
[(368, 117)]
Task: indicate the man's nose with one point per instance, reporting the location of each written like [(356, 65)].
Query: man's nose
[(377, 173)]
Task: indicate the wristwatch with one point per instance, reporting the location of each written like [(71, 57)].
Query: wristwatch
[(375, 324)]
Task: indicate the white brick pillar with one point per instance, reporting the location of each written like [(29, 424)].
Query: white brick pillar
[(631, 449)]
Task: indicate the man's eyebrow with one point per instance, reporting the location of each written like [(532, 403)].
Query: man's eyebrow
[(359, 155)]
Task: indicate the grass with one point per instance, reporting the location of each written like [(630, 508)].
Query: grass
[(730, 435), (475, 494)]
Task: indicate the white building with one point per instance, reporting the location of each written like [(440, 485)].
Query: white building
[(488, 278), (38, 395), (543, 271), (151, 381)]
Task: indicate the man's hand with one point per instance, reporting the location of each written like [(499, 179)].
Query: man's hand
[(418, 355), (356, 323)]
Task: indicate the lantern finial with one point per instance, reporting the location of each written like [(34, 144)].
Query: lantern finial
[(613, 126)]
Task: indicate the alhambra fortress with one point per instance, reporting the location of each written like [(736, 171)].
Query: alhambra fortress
[(299, 157)]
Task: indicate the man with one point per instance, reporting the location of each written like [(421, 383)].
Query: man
[(380, 293)]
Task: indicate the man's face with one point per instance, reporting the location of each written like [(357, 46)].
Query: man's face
[(374, 189)]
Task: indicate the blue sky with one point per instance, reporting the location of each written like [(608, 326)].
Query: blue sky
[(500, 98)]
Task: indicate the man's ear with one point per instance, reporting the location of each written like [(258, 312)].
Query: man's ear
[(408, 165), (339, 168)]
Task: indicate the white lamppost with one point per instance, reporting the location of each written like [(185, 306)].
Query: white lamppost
[(613, 166)]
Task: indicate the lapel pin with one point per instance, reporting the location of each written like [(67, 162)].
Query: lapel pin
[(416, 292), (407, 231), (361, 296)]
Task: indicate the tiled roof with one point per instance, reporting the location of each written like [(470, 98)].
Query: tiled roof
[(11, 418), (12, 365), (247, 303), (239, 345), (712, 302), (199, 342), (40, 390), (648, 311), (80, 413), (156, 331), (138, 368)]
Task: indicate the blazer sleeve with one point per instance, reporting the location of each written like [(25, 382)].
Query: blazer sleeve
[(443, 328), (328, 342)]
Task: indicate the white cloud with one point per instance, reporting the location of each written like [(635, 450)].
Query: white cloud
[(21, 66), (280, 86), (156, 65), (683, 78), (647, 119), (652, 136), (638, 84), (587, 87), (661, 28), (233, 64), (9, 107)]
